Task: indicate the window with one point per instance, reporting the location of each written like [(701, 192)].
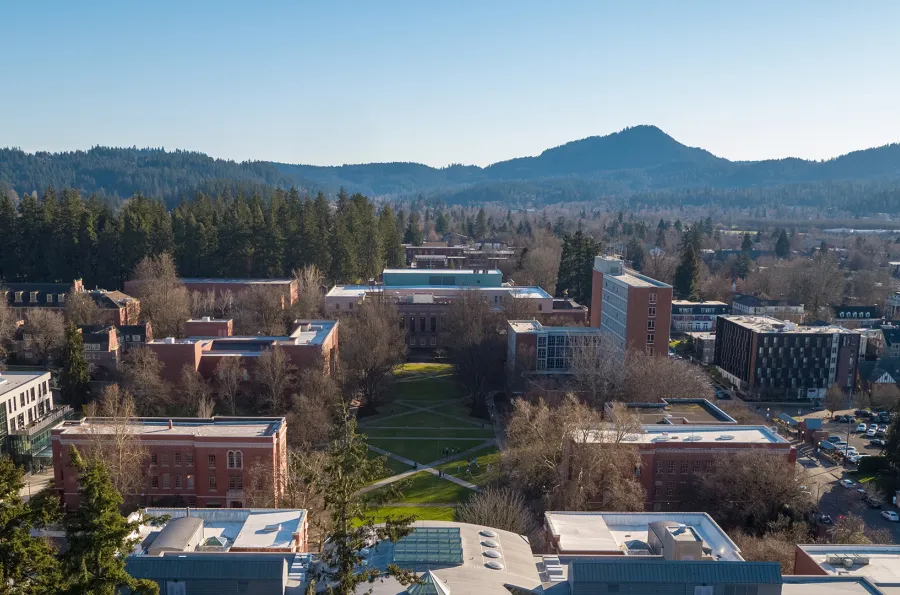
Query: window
[(684, 466), (704, 590), (350, 306), (651, 325), (165, 460), (402, 322), (235, 459), (422, 342), (231, 459), (696, 467), (165, 480), (49, 298), (178, 481), (671, 466), (235, 482), (412, 341), (189, 460), (540, 307), (651, 311), (212, 461), (659, 466), (657, 490), (34, 297), (154, 482), (412, 324), (244, 587), (650, 339), (212, 483), (434, 324), (652, 297), (178, 459), (153, 458), (433, 341), (337, 306), (670, 488), (707, 466), (61, 298), (190, 482), (18, 296), (682, 488), (422, 324)]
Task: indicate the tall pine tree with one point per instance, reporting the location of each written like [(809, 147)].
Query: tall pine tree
[(75, 381)]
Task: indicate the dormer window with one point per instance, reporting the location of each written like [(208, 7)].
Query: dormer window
[(49, 298), (19, 296), (34, 297), (61, 298)]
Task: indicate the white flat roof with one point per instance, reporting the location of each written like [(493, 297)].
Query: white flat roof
[(159, 426), (442, 271), (10, 381), (656, 434), (207, 280), (246, 528), (882, 562), (361, 290), (609, 531)]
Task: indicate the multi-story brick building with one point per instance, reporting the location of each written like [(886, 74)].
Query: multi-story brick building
[(311, 343), (688, 316), (101, 346), (116, 307), (771, 359), (782, 309), (191, 461), (135, 335), (672, 456), (424, 296), (632, 309)]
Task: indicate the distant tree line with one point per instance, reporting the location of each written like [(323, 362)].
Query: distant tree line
[(60, 236)]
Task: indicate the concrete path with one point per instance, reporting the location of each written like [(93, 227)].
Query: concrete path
[(34, 483), (455, 480)]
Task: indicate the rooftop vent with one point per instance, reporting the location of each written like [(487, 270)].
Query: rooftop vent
[(488, 533), (491, 554), (169, 340), (272, 528), (490, 543), (206, 319), (725, 437), (494, 565)]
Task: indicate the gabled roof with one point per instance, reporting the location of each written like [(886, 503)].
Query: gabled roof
[(667, 571), (856, 312), (891, 335), (110, 299), (886, 365), (813, 423)]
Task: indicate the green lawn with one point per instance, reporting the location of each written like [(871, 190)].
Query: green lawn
[(457, 408), (393, 465), (471, 432), (418, 419), (426, 389), (422, 450), (485, 456), (423, 513), (425, 488), (423, 369)]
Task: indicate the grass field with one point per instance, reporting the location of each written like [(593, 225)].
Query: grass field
[(422, 450), (418, 419), (423, 369), (393, 465), (425, 389), (422, 513), (473, 432), (425, 488), (486, 456)]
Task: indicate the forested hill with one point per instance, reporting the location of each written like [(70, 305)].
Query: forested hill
[(637, 165)]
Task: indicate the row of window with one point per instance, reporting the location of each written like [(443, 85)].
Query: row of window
[(235, 459), (423, 341), (423, 324), (33, 297), (235, 482), (682, 466), (670, 489)]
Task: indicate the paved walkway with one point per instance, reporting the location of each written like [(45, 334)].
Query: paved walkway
[(35, 482), (428, 467)]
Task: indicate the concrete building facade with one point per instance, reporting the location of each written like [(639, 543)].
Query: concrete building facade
[(532, 348), (632, 309), (770, 359), (191, 461), (688, 316)]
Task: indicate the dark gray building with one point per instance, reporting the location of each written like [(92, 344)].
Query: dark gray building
[(212, 574)]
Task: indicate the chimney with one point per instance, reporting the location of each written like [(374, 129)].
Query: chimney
[(171, 425)]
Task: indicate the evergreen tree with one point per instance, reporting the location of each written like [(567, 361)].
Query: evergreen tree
[(413, 234), (576, 266), (678, 225), (27, 564), (687, 274), (746, 243), (708, 226), (662, 225), (442, 223), (321, 240), (481, 227), (8, 261), (347, 470), (75, 381), (394, 255), (783, 245), (635, 253), (98, 535), (742, 265), (823, 247)]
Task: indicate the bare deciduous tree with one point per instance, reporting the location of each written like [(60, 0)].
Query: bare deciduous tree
[(303, 489), (502, 508), (540, 264), (45, 333), (8, 322), (571, 459), (835, 399), (141, 371), (750, 489), (82, 309), (885, 396), (372, 345), (310, 298), (851, 528), (818, 284), (651, 378), (194, 393), (473, 342), (597, 372), (260, 310), (518, 308), (275, 374), (777, 544), (229, 375), (164, 298), (660, 266), (116, 444), (316, 407)]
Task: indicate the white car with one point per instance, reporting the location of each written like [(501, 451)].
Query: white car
[(861, 428), (853, 458), (871, 433), (847, 483), (890, 515)]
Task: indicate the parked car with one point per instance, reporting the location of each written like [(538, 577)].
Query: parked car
[(890, 515), (880, 432), (883, 427), (870, 433), (873, 426), (862, 413), (861, 428), (847, 483), (877, 442), (853, 458), (834, 438)]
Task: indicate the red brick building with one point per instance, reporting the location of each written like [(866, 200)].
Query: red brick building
[(311, 343), (116, 307), (671, 456), (634, 310), (191, 461), (288, 287)]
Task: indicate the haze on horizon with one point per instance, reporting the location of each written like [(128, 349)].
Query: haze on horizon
[(329, 83)]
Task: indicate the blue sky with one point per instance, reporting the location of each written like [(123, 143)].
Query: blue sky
[(447, 82)]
